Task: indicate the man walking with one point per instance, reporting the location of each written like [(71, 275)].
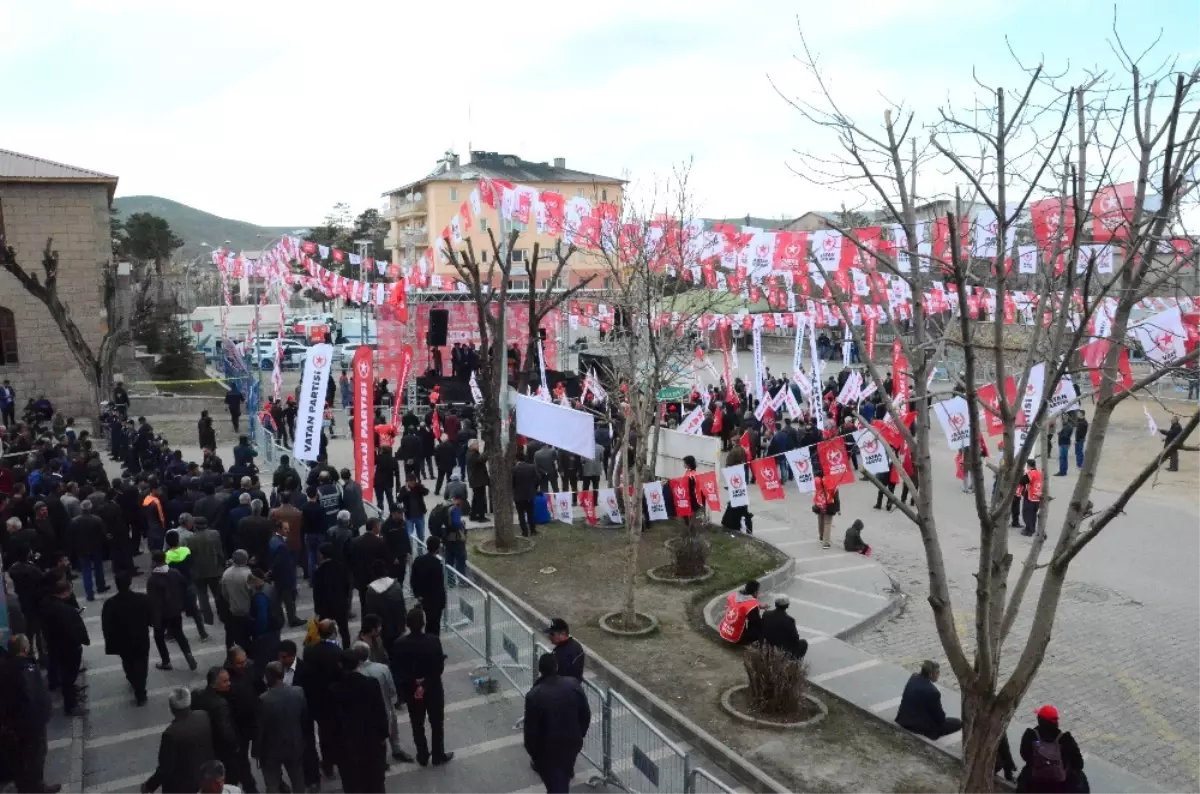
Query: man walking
[(282, 565), (125, 623), (235, 591), (1081, 430), (1031, 490), (557, 717), (331, 592), (387, 686), (185, 746), (27, 717), (363, 727), (524, 489), (213, 700), (85, 543), (65, 637), (428, 584), (167, 591), (280, 740), (323, 669), (208, 564), (478, 480), (1065, 433), (1169, 435), (417, 666)]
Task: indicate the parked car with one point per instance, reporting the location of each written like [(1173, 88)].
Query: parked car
[(293, 354), (344, 353)]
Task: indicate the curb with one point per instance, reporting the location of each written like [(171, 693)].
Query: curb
[(816, 719), (716, 751)]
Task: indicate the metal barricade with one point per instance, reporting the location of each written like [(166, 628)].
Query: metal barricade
[(596, 743), (643, 759), (701, 782), (512, 644), (466, 613), (269, 447)]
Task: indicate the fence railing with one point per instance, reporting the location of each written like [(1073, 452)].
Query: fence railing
[(626, 750)]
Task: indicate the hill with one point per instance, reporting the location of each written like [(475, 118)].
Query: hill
[(196, 226)]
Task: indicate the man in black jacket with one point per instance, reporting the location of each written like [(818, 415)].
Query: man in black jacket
[(445, 455), (85, 543), (428, 584), (557, 717), (65, 637), (417, 663), (524, 489), (921, 705), (331, 590), (364, 728), (778, 628), (362, 554), (213, 700), (243, 704), (25, 712), (125, 622), (185, 746), (567, 650), (395, 533), (322, 669)]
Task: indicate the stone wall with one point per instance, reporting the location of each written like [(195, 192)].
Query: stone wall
[(76, 217)]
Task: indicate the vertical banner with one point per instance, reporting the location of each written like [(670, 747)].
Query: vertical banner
[(758, 363), (989, 405), (872, 322), (563, 510), (406, 362), (766, 471), (899, 378), (706, 486), (728, 370), (476, 393), (364, 418), (953, 415), (735, 481), (814, 397), (801, 462), (693, 422), (847, 340), (542, 365), (313, 385), (608, 501), (798, 350), (681, 497), (656, 507), (587, 500), (874, 456)]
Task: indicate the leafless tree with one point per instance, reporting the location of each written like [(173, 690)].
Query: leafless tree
[(489, 288), (1051, 139), (96, 365)]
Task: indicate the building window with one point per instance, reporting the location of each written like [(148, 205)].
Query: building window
[(483, 224), (485, 262), (8, 338), (579, 192), (454, 194), (516, 283), (604, 194), (518, 255)]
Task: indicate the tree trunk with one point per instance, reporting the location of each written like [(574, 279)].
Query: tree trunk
[(985, 719), (500, 475)]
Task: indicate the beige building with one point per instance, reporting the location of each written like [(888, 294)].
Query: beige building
[(420, 210), (40, 199)]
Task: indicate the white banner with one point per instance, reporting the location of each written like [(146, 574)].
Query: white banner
[(606, 500), (849, 391), (656, 505), (735, 481), (814, 396), (595, 387), (789, 400), (758, 363), (1033, 395), (801, 462), (846, 340), (476, 394), (733, 352), (1064, 398), (562, 508), (542, 365), (873, 451), (1162, 337), (313, 385), (692, 422), (1027, 256), (798, 351), (956, 424), (565, 428), (1150, 423)]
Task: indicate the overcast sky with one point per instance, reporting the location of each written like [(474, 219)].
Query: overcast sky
[(271, 112)]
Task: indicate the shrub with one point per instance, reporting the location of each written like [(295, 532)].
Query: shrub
[(778, 682), (692, 550)]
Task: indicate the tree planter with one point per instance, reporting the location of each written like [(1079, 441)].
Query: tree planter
[(609, 623), (488, 547), (662, 575), (741, 711)]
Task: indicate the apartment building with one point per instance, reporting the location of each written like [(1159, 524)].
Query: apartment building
[(420, 210)]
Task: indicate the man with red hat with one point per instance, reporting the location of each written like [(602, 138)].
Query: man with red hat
[(1053, 762)]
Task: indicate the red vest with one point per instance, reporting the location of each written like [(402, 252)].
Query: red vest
[(1035, 486), (736, 614)]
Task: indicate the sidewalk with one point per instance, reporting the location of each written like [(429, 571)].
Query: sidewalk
[(836, 594)]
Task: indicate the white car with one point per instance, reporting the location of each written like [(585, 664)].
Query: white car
[(344, 353), (293, 353)]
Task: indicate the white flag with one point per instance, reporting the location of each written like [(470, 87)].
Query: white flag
[(693, 422), (1064, 398), (606, 499), (656, 505), (798, 351), (313, 384), (735, 481), (758, 363), (1150, 421), (801, 462), (563, 509), (874, 454), (476, 393), (952, 414)]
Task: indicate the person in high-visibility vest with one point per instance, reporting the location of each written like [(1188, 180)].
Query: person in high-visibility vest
[(742, 623), (1031, 486)]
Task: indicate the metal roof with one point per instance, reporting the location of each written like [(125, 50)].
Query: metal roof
[(508, 167), (17, 167)]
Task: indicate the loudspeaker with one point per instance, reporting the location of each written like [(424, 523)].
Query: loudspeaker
[(439, 321)]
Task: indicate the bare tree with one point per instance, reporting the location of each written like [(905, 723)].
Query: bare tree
[(489, 288), (96, 365), (651, 258), (1046, 142)]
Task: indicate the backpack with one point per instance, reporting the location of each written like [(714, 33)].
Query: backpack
[(439, 520), (1046, 762)]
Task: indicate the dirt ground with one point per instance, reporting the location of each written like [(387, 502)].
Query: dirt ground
[(575, 573)]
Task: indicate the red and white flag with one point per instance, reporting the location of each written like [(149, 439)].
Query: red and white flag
[(364, 418)]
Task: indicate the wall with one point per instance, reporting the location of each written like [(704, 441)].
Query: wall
[(76, 217), (674, 446)]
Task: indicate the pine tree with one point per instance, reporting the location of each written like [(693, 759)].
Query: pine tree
[(175, 362)]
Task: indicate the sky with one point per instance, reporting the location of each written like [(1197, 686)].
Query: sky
[(271, 112)]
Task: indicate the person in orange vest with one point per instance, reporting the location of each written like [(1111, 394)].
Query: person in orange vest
[(826, 504), (742, 623), (1031, 488)]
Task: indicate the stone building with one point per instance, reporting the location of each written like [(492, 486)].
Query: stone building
[(40, 199)]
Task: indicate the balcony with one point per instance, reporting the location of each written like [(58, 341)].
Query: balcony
[(407, 207), (416, 237)]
